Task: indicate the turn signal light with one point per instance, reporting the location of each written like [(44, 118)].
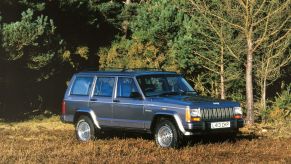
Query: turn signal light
[(187, 115), (196, 119), (237, 116)]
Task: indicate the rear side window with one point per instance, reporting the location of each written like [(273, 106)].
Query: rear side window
[(104, 86), (82, 86)]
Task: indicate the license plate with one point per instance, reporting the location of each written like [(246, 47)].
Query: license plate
[(218, 125)]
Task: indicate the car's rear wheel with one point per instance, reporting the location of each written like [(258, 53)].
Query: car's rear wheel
[(85, 129), (167, 135)]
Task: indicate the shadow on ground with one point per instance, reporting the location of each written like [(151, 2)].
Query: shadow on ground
[(188, 141)]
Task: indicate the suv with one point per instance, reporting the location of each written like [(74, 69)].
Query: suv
[(155, 102)]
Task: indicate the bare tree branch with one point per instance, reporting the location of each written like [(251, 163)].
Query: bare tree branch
[(286, 4), (281, 38), (218, 17), (209, 60), (259, 10), (212, 70)]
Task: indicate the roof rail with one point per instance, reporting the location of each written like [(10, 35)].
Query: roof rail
[(103, 69), (142, 69), (121, 69)]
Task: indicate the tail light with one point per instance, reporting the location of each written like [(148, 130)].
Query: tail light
[(63, 107)]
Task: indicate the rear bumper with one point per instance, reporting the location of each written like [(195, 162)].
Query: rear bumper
[(66, 118), (205, 126), (62, 118)]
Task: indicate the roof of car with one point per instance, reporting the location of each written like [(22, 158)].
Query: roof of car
[(125, 73)]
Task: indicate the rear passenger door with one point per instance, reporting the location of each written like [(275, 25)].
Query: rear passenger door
[(101, 99), (128, 106), (78, 96)]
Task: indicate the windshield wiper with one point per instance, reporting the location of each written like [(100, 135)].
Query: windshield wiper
[(169, 93), (185, 92), (192, 93)]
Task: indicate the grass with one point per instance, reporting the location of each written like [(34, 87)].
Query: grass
[(50, 141)]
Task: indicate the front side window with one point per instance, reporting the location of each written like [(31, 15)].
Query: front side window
[(104, 86), (82, 86), (126, 87), (164, 85)]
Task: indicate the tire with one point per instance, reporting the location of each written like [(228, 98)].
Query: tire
[(167, 135), (85, 129), (233, 135)]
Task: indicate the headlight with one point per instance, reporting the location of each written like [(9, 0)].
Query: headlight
[(195, 112), (237, 110), (192, 114)]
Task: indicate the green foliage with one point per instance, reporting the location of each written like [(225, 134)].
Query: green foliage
[(35, 5), (118, 14), (134, 54), (280, 107), (198, 38), (283, 100), (202, 46), (164, 19), (76, 58), (110, 11), (29, 37), (147, 47), (182, 41)]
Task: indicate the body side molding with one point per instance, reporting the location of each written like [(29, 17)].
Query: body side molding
[(92, 114), (177, 120)]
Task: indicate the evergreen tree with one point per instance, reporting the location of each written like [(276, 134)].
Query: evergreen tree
[(29, 38), (148, 44)]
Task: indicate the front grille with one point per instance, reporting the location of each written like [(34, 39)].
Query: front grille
[(217, 113)]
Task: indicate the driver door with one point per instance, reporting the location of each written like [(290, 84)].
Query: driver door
[(128, 105)]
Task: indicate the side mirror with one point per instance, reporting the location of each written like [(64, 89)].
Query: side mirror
[(136, 95)]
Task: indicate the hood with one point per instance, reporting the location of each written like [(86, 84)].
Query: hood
[(195, 101)]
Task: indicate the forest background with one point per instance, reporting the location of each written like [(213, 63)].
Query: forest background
[(237, 50)]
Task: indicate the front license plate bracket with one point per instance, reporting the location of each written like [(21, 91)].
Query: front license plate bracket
[(220, 125)]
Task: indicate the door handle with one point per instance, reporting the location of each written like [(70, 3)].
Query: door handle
[(116, 100), (93, 99)]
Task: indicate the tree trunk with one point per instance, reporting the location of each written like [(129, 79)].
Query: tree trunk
[(222, 90), (263, 96), (127, 2), (264, 86), (125, 23), (249, 82)]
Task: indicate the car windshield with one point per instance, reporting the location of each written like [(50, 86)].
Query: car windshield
[(164, 85)]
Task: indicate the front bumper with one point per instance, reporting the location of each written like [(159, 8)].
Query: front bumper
[(205, 125)]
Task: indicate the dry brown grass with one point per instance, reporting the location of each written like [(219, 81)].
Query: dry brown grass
[(50, 141)]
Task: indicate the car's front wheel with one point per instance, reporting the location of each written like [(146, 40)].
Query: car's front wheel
[(85, 129), (167, 135)]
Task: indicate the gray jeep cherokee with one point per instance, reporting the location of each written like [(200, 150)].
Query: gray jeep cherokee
[(155, 102)]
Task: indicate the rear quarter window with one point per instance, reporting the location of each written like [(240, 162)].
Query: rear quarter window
[(82, 86)]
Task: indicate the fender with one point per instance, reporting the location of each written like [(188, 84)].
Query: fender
[(92, 114), (177, 120)]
